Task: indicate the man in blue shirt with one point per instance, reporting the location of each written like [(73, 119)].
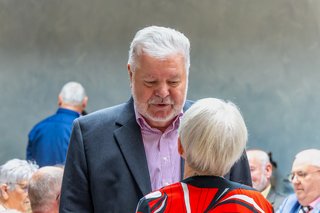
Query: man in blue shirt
[(305, 177), (49, 139)]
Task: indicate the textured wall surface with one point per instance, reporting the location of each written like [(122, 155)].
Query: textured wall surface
[(262, 55)]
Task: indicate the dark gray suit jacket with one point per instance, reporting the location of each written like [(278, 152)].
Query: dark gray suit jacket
[(106, 168), (275, 198)]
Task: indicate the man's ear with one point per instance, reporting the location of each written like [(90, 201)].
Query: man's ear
[(268, 170), (130, 73), (4, 191), (85, 102), (180, 148), (60, 100)]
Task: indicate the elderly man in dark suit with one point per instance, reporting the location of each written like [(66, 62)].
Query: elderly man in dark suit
[(119, 154), (261, 172)]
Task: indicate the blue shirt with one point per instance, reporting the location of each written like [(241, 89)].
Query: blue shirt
[(49, 139), (292, 205)]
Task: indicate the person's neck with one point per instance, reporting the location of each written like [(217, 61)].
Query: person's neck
[(73, 108), (162, 126), (189, 172), (47, 210)]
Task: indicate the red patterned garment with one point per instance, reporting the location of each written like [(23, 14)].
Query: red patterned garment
[(201, 194)]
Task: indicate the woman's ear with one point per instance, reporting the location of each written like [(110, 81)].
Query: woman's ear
[(4, 191), (180, 148)]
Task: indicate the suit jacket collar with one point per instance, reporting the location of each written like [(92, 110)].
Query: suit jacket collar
[(129, 138)]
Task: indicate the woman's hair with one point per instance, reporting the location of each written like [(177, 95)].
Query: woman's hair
[(213, 135), (15, 171)]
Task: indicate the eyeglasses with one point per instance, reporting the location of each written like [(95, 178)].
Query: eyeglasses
[(22, 186), (300, 175)]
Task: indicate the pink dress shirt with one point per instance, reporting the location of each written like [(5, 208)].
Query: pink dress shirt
[(161, 150), (314, 203)]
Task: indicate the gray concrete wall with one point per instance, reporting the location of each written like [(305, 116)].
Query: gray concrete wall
[(262, 55)]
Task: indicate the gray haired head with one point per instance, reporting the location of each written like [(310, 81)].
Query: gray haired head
[(15, 171), (159, 42), (73, 93), (44, 188), (213, 135)]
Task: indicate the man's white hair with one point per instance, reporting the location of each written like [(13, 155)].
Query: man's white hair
[(213, 135), (159, 42), (73, 93), (260, 155), (309, 157), (44, 187)]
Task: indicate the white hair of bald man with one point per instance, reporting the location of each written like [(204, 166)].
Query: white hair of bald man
[(73, 93), (213, 135), (309, 157), (44, 188), (159, 42), (262, 156)]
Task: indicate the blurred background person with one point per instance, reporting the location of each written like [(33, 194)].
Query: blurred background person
[(48, 140), (14, 180), (44, 189), (305, 177), (212, 137), (261, 173)]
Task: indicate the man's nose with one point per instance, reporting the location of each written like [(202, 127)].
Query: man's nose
[(162, 90), (295, 179)]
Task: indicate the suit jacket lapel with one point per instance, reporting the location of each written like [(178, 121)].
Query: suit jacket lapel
[(129, 138)]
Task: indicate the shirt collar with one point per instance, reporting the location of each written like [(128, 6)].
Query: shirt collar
[(68, 111), (266, 191), (315, 202)]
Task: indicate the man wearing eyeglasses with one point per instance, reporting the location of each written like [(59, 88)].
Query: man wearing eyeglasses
[(305, 177)]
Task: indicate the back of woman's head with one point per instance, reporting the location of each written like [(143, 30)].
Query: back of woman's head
[(213, 135)]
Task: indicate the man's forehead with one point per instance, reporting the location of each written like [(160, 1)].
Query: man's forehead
[(161, 76), (254, 161), (302, 165), (308, 157)]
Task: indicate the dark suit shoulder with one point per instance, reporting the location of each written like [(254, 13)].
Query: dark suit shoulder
[(103, 116), (187, 105), (275, 198)]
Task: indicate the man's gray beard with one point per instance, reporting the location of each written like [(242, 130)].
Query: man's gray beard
[(263, 184), (176, 109), (142, 110)]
